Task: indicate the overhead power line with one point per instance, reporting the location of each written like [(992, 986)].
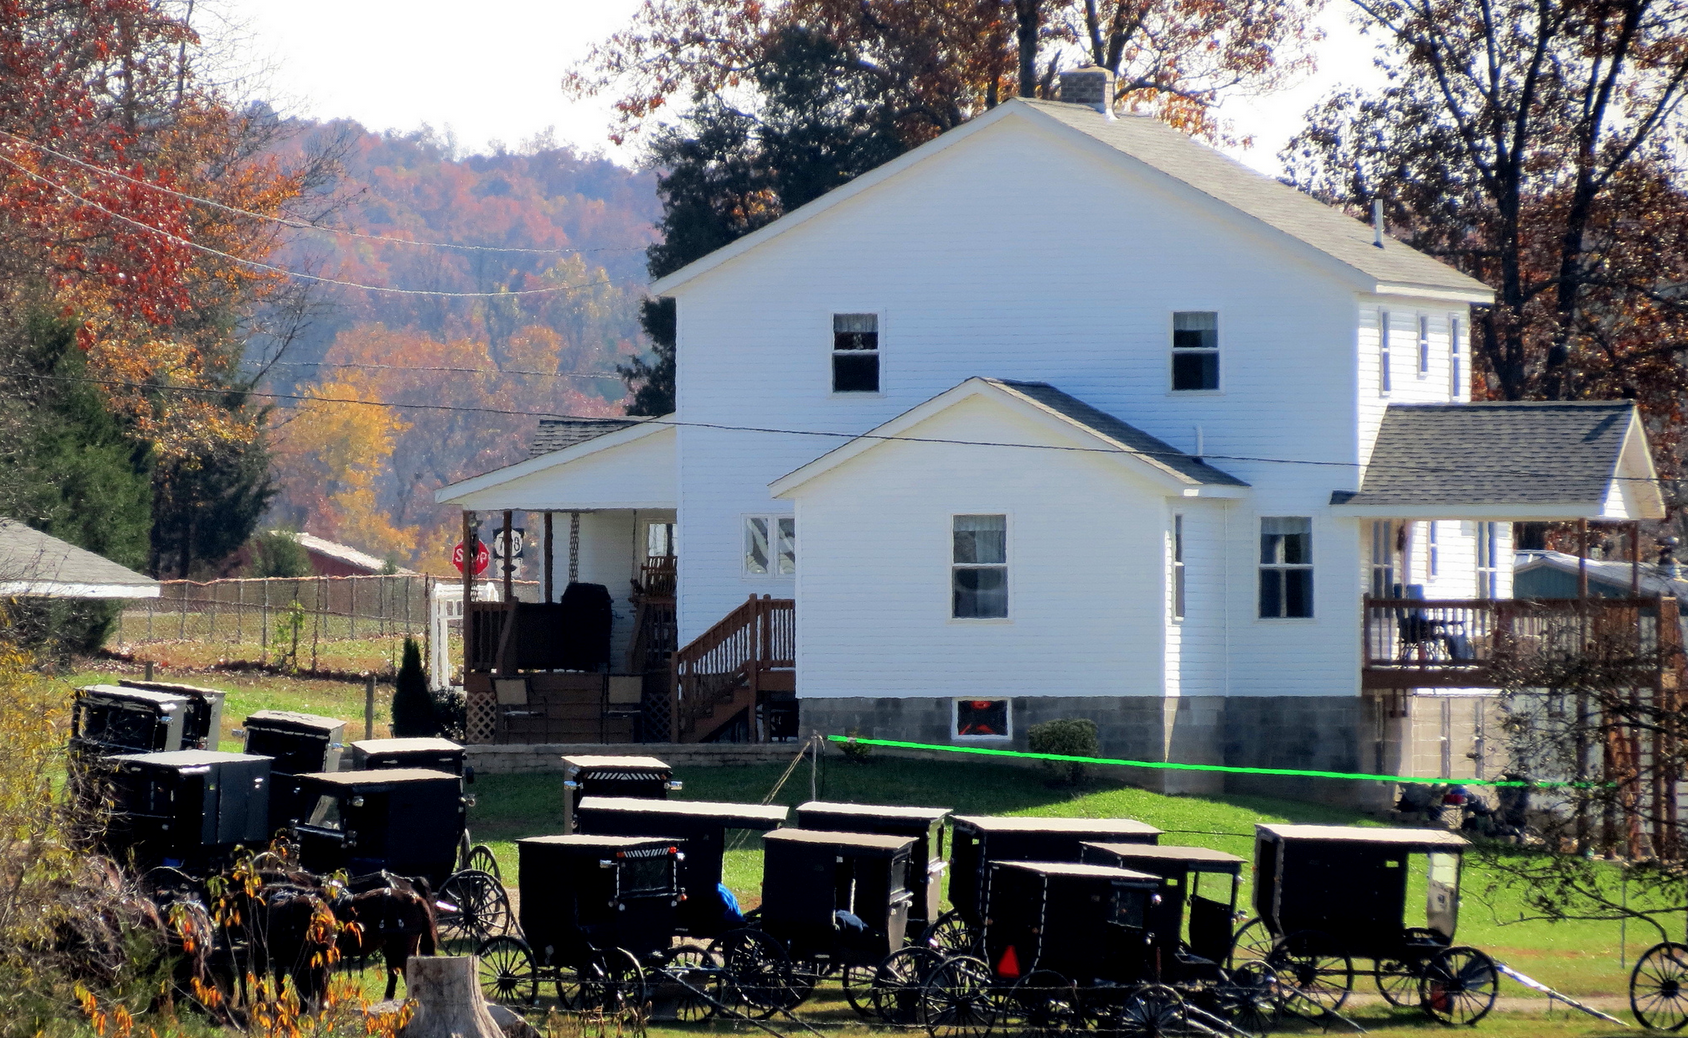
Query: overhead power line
[(299, 274), (443, 368), (295, 222)]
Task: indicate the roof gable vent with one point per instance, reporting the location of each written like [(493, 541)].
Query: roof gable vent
[(1091, 86)]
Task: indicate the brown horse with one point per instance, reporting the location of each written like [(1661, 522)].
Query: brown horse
[(397, 921), (296, 940)]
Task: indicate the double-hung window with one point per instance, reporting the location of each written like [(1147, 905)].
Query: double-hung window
[(1195, 350), (1286, 567), (1178, 567), (1383, 351), (855, 353), (1432, 551), (1488, 560), (979, 567), (1456, 330), (1423, 345), (770, 545)]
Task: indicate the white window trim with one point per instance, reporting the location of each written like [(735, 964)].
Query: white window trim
[(1385, 380), (1007, 567), (1432, 551), (1180, 572), (1423, 346), (1171, 351), (773, 546), (1456, 325), (1488, 576), (884, 323), (955, 705)]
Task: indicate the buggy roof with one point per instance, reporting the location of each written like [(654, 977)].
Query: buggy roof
[(1099, 826), (585, 842), (171, 686), (1075, 869), (185, 758), (138, 695), (731, 816), (591, 761), (381, 777), (1199, 859), (419, 745), (292, 718), (880, 811), (1426, 839), (852, 841)]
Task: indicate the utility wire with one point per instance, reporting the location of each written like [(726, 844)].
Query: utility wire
[(295, 222), (301, 275), (774, 430), (450, 370)]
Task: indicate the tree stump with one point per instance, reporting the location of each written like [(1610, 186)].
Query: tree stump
[(448, 999)]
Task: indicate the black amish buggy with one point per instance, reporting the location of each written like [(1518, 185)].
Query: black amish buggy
[(407, 821), (186, 809), (109, 719), (1327, 895), (979, 840), (1186, 950), (702, 825), (433, 754), (645, 778), (832, 903), (594, 910), (204, 721), (927, 861), (301, 744)]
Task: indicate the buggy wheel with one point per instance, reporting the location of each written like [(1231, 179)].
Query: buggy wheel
[(1045, 1003), (950, 934), (1458, 986), (958, 1000), (480, 858), (612, 983), (472, 907), (1253, 942), (1318, 980), (691, 978), (506, 972), (858, 988), (1248, 997), (1397, 982), (896, 984), (759, 973), (1658, 987), (1152, 1011)]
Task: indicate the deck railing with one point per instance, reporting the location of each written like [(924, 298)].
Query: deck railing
[(758, 636)]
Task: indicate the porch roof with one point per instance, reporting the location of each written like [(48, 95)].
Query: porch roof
[(1508, 460), (628, 467), (35, 564)]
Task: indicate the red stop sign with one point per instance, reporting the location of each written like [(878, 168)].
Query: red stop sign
[(482, 557)]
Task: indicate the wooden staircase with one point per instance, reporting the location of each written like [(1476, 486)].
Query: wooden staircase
[(726, 673)]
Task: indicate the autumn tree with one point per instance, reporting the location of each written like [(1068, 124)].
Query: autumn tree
[(1536, 145)]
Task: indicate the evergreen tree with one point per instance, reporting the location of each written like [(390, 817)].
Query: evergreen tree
[(413, 705)]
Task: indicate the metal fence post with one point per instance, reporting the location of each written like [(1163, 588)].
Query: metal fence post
[(369, 706)]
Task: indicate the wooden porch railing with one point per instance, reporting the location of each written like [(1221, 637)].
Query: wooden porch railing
[(658, 576), (724, 669), (1429, 643)]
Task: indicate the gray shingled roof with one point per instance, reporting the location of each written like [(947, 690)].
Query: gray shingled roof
[(557, 433), (1285, 208), (35, 564), (1155, 451), (1499, 453)]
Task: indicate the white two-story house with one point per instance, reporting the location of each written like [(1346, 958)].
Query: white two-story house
[(1066, 414)]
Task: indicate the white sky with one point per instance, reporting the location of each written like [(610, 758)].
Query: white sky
[(491, 70)]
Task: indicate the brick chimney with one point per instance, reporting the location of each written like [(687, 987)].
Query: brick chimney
[(1091, 86)]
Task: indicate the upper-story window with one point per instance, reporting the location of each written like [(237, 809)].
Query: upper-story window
[(1423, 345), (770, 545), (855, 353), (1178, 567), (1195, 350), (1383, 351), (1456, 333)]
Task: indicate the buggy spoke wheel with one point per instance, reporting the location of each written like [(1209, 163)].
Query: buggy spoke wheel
[(570, 988), (957, 1000), (1045, 1003), (1248, 997), (1458, 986), (1397, 982), (690, 979), (1152, 1011), (612, 983), (897, 982), (1318, 980), (481, 859), (950, 934), (506, 972), (472, 907), (1658, 987), (1253, 942), (759, 973), (858, 989)]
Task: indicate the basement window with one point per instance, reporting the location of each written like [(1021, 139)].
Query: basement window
[(983, 719), (855, 353)]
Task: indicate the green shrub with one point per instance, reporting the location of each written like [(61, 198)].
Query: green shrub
[(277, 553), (413, 704), (855, 752), (1069, 737)]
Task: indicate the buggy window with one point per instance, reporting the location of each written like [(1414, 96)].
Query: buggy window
[(643, 876), (1131, 907), (1441, 907), (116, 726), (326, 813)]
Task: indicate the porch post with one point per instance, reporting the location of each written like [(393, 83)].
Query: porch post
[(574, 547), (1582, 558), (550, 562), (1635, 559), (509, 563), (468, 589)]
